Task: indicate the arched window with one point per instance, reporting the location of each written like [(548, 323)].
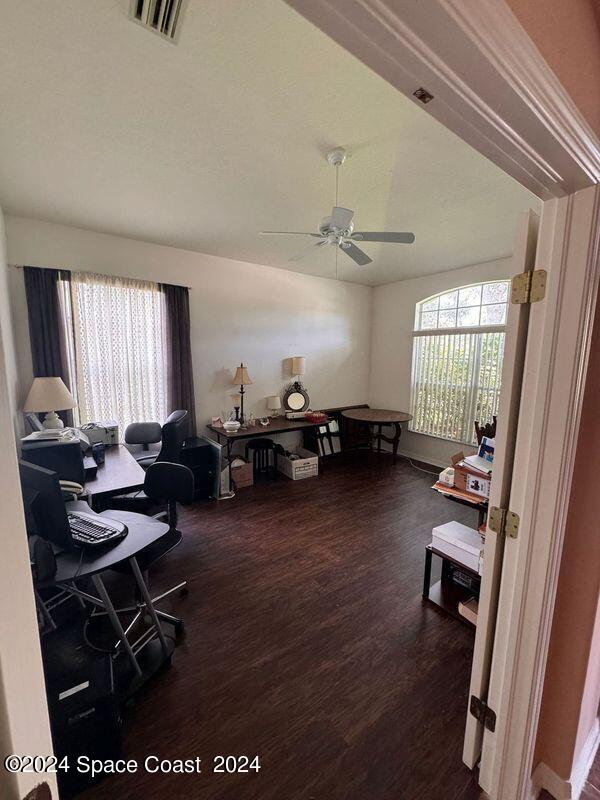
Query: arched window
[(457, 360)]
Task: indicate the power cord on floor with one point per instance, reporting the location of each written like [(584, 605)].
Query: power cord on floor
[(414, 466)]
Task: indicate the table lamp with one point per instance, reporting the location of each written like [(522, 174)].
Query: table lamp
[(274, 404), (236, 400), (241, 378), (50, 395), (298, 369)]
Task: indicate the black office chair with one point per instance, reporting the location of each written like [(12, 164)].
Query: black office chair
[(171, 435), (164, 483)]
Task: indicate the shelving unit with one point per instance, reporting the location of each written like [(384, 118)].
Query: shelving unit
[(446, 593)]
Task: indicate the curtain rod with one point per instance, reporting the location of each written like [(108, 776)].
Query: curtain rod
[(89, 272)]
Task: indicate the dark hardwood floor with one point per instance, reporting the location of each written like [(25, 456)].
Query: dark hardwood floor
[(309, 645)]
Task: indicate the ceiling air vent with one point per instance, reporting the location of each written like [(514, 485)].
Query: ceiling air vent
[(161, 16)]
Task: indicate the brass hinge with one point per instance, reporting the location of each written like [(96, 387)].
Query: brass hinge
[(483, 713), (528, 287), (503, 521)]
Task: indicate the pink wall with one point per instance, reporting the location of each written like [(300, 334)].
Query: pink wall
[(567, 34), (572, 682)]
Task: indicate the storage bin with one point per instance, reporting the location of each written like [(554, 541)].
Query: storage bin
[(242, 475), (307, 466), (459, 542)]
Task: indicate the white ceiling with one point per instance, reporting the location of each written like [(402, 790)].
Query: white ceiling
[(204, 143)]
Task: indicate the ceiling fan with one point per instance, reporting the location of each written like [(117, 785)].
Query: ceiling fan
[(338, 229)]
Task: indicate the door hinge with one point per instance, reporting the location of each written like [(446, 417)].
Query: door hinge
[(483, 713), (503, 521), (528, 287)]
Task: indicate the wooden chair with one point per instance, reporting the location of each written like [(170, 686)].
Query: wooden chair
[(264, 458), (489, 430)]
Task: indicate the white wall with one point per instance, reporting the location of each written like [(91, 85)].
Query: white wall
[(392, 343), (239, 312), (24, 726)]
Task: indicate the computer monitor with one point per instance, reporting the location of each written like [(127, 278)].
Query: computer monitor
[(64, 458), (45, 511)]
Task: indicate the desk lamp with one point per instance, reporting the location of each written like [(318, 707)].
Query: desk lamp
[(49, 393), (274, 404), (236, 399), (298, 369), (241, 378)]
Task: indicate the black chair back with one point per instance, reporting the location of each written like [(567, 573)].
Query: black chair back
[(264, 457), (170, 483), (172, 437)]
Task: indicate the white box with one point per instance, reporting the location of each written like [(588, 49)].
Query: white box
[(307, 466), (458, 542)]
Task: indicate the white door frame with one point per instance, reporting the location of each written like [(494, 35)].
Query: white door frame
[(492, 88)]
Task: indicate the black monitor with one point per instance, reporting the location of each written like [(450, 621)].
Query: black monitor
[(45, 511), (64, 458)]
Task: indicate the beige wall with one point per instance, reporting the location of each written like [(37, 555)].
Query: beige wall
[(24, 727), (572, 682), (239, 312), (392, 344), (567, 34)]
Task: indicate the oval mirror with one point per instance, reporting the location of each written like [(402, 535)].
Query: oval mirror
[(296, 400)]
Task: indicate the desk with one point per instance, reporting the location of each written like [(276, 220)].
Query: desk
[(380, 417), (277, 425), (119, 474), (73, 565), (480, 504)]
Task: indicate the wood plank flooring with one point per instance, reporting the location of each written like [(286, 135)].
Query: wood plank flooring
[(309, 645)]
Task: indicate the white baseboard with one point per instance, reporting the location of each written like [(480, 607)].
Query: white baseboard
[(414, 456), (545, 778), (581, 768)]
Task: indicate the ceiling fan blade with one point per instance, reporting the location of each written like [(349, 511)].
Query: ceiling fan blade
[(289, 233), (306, 253), (356, 254), (384, 236), (341, 217)]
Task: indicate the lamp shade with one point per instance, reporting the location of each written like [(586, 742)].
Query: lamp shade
[(235, 399), (274, 402), (241, 377), (49, 394), (298, 365)]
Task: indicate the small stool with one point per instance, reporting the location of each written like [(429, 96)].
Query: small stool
[(264, 457)]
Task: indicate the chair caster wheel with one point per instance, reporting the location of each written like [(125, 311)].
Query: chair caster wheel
[(184, 591)]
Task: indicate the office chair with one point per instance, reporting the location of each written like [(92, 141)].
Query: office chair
[(171, 436), (164, 483)]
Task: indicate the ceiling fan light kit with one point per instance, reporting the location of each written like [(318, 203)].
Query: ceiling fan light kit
[(337, 230)]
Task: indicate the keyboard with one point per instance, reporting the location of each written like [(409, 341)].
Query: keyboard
[(91, 531)]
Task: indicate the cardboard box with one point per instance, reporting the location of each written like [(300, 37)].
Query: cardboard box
[(459, 542), (242, 475), (470, 480), (307, 466)]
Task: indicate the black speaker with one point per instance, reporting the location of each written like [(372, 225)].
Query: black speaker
[(83, 706)]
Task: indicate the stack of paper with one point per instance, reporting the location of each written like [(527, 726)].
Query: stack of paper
[(479, 464)]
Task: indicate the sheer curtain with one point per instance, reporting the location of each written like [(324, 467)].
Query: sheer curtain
[(119, 352)]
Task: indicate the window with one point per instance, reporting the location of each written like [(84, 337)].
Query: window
[(118, 357), (457, 360)]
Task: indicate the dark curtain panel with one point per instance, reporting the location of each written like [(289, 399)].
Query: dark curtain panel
[(46, 331), (179, 353)]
